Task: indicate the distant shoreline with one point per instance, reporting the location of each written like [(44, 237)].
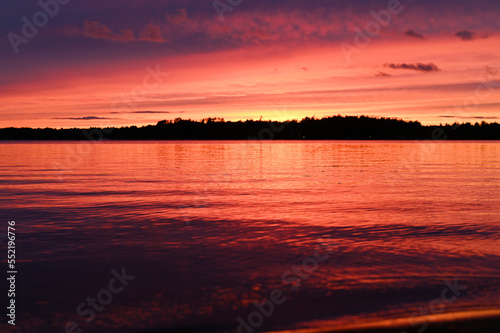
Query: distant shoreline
[(328, 128)]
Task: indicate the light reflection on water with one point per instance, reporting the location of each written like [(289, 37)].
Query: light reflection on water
[(210, 227)]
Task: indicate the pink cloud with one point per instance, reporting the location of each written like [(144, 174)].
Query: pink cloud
[(94, 29), (152, 33), (265, 27)]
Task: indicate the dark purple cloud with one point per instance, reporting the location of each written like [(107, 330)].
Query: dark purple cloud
[(152, 112), (476, 117), (466, 35), (413, 33), (84, 118), (430, 67), (148, 112), (95, 29)]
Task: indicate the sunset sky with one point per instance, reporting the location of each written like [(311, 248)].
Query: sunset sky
[(135, 62)]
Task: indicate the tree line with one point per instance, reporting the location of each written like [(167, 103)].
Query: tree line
[(327, 128)]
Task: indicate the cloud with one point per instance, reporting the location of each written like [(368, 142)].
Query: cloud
[(382, 74), (150, 112), (477, 117), (430, 67), (189, 26), (491, 71), (97, 30), (85, 118), (180, 19), (466, 35), (152, 33), (413, 33)]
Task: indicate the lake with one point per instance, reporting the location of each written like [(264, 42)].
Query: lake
[(170, 236)]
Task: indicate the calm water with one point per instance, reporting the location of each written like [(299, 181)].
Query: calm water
[(207, 228)]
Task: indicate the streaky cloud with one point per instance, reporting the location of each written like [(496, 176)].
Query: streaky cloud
[(430, 67), (84, 118), (147, 112), (476, 117), (152, 112)]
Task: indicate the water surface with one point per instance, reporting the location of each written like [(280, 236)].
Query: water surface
[(208, 228)]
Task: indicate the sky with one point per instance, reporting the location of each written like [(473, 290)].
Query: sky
[(69, 63)]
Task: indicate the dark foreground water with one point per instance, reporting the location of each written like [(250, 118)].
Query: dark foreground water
[(316, 232)]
